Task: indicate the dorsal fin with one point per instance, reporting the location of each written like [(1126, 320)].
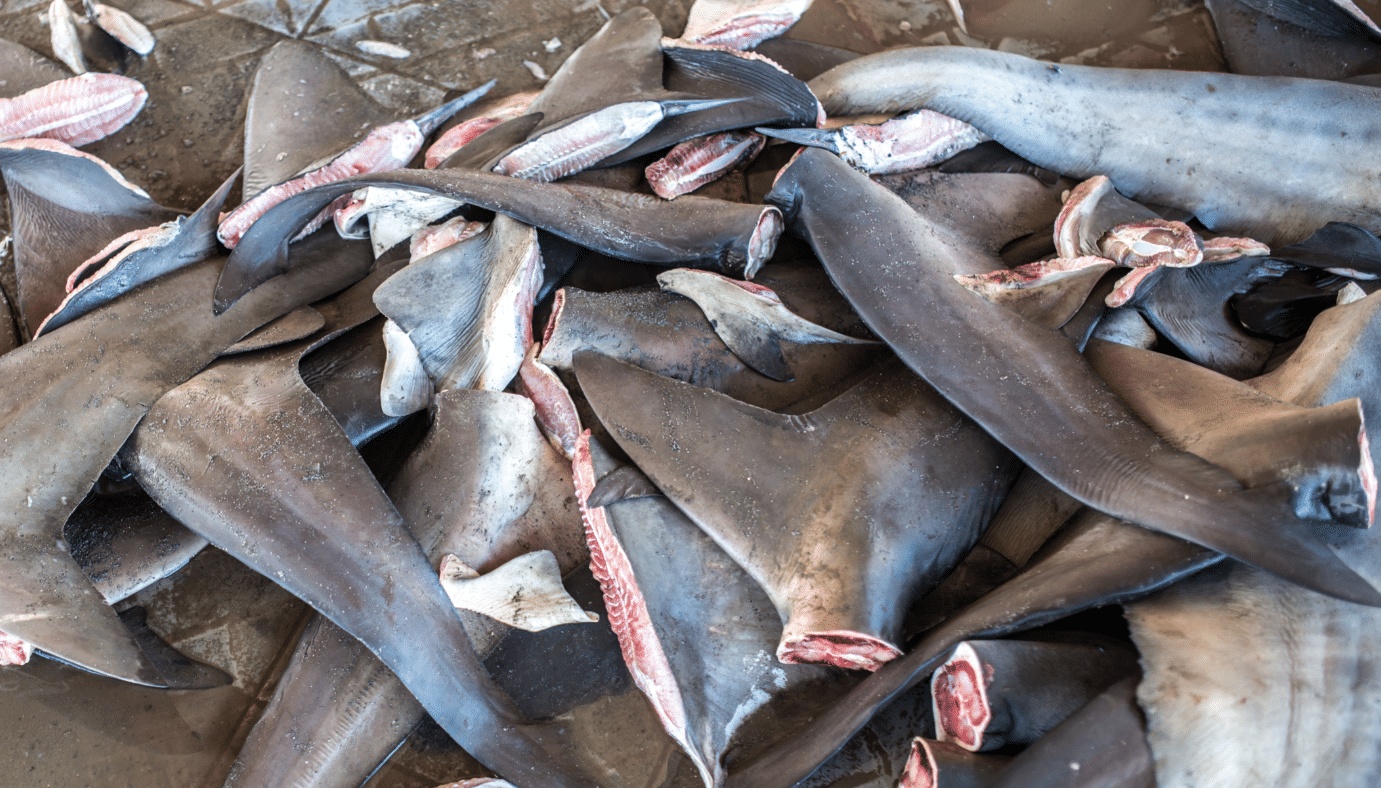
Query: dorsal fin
[(174, 246), (770, 489), (65, 206), (453, 305), (302, 108), (622, 62), (697, 631)]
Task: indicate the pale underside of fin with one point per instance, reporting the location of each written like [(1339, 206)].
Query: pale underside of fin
[(525, 592)]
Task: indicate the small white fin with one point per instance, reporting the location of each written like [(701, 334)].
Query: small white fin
[(1350, 292), (525, 593), (395, 214), (405, 387)]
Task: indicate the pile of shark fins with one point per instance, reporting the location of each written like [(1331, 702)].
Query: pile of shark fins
[(841, 480)]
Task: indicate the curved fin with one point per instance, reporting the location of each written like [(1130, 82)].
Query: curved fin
[(463, 307), (184, 242), (770, 490), (750, 319), (1256, 526), (624, 483), (713, 234), (55, 187), (621, 62), (329, 113), (770, 96)]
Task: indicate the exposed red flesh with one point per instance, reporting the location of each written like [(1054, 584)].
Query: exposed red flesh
[(628, 614), (456, 138), (558, 304), (1125, 288), (76, 111), (430, 240), (386, 148), (107, 262), (556, 413), (694, 163), (83, 272), (920, 771), (1224, 248), (14, 651), (841, 649), (461, 134), (747, 32), (1029, 275), (1067, 224), (1152, 242), (959, 692)]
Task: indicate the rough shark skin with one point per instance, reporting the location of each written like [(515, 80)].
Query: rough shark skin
[(97, 379), (896, 521), (691, 231), (1207, 143), (1028, 386)]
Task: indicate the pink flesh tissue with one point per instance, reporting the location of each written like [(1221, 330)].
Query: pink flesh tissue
[(76, 111), (556, 413), (628, 614), (580, 143), (911, 142), (1029, 275), (14, 651), (430, 240), (694, 163), (386, 148), (461, 134), (1152, 242), (959, 692), (83, 272), (1216, 250), (848, 650), (747, 32), (920, 771), (1126, 286)]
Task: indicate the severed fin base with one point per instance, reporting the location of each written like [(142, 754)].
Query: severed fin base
[(839, 648), (959, 695), (938, 764)]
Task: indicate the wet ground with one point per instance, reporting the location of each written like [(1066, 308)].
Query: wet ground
[(63, 728)]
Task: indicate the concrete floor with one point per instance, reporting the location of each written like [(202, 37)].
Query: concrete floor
[(64, 728)]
